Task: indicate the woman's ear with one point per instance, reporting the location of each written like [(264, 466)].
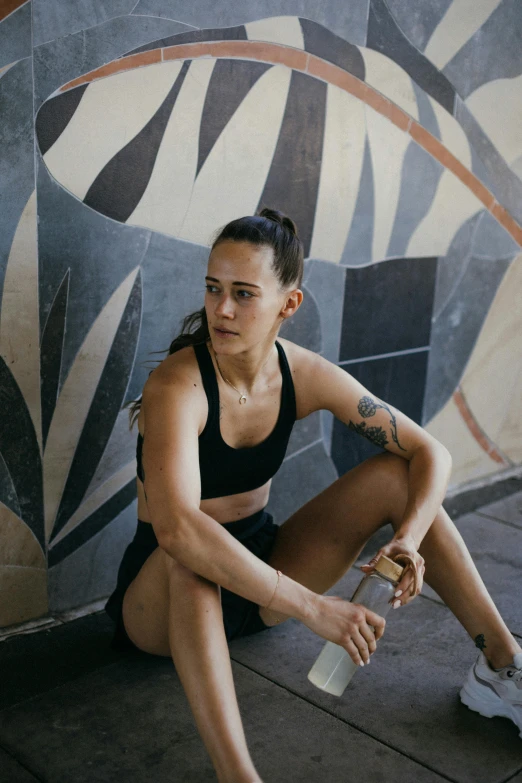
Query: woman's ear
[(292, 303)]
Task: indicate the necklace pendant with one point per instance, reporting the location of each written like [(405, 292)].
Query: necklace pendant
[(242, 399)]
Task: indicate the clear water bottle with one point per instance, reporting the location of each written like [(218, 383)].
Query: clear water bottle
[(333, 669)]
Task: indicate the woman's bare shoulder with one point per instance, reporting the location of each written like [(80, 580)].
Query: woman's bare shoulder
[(300, 359), (176, 369), (176, 383)]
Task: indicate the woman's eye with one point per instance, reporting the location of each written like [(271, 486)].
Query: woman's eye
[(248, 294), (209, 287)]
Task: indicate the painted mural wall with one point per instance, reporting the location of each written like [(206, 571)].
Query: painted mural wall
[(131, 131)]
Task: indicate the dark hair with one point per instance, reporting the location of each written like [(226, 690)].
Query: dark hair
[(270, 227)]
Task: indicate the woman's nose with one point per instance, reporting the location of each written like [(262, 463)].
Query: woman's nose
[(225, 306)]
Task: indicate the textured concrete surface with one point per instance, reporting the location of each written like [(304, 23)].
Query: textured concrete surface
[(72, 709)]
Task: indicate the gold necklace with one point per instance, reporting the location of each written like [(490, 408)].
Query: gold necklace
[(242, 397)]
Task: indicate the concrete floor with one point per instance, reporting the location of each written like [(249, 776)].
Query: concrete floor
[(74, 711)]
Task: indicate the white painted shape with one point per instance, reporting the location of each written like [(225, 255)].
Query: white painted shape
[(470, 461), (277, 29), (342, 158), (112, 111), (76, 397), (388, 145), (452, 205), (97, 498), (164, 203), (490, 378), (232, 179), (497, 107), (451, 134), (19, 314), (462, 20), (390, 79)]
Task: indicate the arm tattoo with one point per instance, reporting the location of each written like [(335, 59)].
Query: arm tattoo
[(367, 408), (480, 641)]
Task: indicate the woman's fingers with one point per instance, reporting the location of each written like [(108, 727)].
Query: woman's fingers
[(357, 655), (369, 638)]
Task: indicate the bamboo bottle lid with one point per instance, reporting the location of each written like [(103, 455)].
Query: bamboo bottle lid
[(389, 568)]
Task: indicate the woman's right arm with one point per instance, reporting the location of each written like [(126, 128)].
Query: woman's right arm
[(173, 408), (170, 456)]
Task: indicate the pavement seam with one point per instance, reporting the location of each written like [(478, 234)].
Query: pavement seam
[(506, 780), (21, 764), (497, 519), (347, 722)]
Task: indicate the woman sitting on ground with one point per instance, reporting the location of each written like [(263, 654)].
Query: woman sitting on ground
[(208, 564)]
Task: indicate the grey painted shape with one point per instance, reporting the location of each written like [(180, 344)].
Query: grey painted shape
[(418, 20), (298, 480), (491, 240), (292, 182), (56, 18), (57, 62), (16, 153), (304, 327), (419, 180), (455, 330), (8, 493), (357, 250), (326, 282), (451, 267), (305, 432), (502, 181), (493, 52), (119, 451), (99, 252), (427, 116), (173, 286), (348, 20), (384, 36), (507, 509), (15, 36), (289, 738), (90, 572), (416, 672)]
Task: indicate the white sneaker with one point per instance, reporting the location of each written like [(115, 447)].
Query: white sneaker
[(491, 692)]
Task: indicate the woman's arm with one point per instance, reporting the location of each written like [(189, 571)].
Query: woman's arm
[(333, 389), (173, 409)]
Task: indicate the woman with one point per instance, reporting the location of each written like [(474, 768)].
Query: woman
[(208, 564)]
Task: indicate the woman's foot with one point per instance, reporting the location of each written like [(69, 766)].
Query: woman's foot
[(495, 693)]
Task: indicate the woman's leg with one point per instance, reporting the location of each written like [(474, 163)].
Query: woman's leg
[(169, 610), (323, 539)]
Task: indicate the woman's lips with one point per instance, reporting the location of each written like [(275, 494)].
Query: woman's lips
[(221, 333)]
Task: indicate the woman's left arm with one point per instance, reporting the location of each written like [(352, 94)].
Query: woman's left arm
[(429, 462)]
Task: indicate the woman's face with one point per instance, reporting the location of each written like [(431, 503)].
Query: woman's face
[(243, 301)]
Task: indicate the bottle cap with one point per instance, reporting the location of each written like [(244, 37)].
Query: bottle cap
[(389, 568)]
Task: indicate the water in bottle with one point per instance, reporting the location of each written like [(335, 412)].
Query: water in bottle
[(334, 668)]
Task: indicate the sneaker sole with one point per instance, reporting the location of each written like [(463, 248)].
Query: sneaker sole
[(491, 706)]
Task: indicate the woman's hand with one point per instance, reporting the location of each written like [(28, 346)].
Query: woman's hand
[(402, 550), (346, 624)]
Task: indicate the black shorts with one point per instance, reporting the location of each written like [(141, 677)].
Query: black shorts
[(240, 616)]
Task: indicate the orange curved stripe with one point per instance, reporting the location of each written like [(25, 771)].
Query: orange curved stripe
[(315, 66), (480, 436)]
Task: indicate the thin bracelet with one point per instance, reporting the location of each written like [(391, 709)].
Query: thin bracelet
[(279, 573)]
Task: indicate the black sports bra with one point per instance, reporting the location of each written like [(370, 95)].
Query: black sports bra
[(225, 470)]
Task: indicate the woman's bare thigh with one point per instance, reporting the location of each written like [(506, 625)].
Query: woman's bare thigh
[(146, 605), (322, 539)]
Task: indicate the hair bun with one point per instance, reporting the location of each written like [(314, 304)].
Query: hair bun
[(281, 218)]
